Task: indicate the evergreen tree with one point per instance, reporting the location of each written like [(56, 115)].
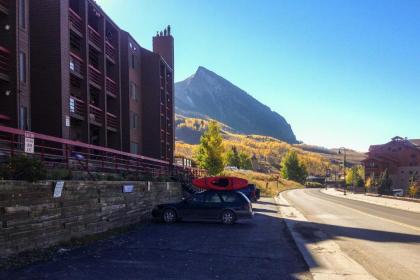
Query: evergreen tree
[(292, 168), (210, 151), (385, 183), (245, 161), (232, 158)]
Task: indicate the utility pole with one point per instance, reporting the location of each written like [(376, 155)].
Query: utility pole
[(344, 167)]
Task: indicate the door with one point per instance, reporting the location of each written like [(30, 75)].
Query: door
[(212, 206), (193, 206)]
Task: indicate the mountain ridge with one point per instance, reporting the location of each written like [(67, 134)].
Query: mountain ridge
[(207, 95)]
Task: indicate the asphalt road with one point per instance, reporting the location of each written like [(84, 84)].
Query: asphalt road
[(385, 241), (260, 248)]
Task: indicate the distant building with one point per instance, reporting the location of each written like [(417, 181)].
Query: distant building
[(401, 157)]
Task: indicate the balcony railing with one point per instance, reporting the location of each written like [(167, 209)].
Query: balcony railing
[(96, 114), (58, 153), (111, 87), (110, 51), (95, 37), (76, 64), (75, 21), (4, 61), (3, 6), (77, 106), (112, 120), (95, 75)]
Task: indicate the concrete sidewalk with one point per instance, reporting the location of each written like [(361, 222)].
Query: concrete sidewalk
[(383, 201), (324, 257)]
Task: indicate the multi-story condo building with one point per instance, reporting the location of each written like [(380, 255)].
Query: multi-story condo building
[(158, 96), (15, 106), (401, 157), (76, 75), (75, 72)]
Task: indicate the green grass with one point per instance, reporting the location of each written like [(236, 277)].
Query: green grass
[(269, 184)]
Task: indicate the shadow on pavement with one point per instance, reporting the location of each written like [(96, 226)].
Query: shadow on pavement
[(261, 248)]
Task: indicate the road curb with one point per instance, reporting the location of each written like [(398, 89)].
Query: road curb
[(389, 205), (323, 256)]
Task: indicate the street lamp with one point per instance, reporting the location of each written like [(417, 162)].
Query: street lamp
[(342, 150)]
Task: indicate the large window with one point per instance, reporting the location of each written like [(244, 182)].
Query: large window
[(22, 14), (134, 120), (22, 67), (23, 118), (134, 92), (133, 61), (134, 148)]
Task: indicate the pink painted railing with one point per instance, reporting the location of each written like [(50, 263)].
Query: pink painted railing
[(77, 106), (111, 87), (95, 37), (76, 64), (96, 114), (61, 153), (110, 51), (4, 60), (112, 120), (75, 21), (95, 75)]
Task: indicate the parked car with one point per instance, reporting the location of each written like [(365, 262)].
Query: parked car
[(225, 206), (252, 192), (398, 192)]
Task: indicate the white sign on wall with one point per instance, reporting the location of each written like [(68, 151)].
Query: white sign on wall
[(29, 142), (72, 105), (128, 188), (67, 121), (58, 190)]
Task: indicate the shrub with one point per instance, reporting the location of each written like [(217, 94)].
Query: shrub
[(27, 168), (313, 185), (60, 174)]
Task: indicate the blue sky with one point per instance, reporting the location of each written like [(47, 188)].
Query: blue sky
[(343, 73)]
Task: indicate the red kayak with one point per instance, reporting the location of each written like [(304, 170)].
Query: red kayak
[(220, 183)]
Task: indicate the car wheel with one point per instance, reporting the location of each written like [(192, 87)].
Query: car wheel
[(228, 217), (169, 216)]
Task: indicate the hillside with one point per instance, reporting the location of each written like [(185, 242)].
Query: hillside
[(206, 95), (266, 151)]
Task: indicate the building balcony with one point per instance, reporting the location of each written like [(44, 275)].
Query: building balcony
[(75, 21), (4, 8), (77, 107), (111, 87), (95, 37), (110, 51), (96, 115), (95, 76), (4, 63), (112, 121), (76, 65)]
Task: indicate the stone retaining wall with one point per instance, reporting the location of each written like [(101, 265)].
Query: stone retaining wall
[(31, 218)]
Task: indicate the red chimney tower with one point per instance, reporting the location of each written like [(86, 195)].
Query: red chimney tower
[(163, 44)]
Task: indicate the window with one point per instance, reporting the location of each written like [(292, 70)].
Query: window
[(22, 67), (133, 92), (134, 119), (134, 148), (133, 61), (197, 198), (23, 118), (229, 197), (212, 198), (22, 14)]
